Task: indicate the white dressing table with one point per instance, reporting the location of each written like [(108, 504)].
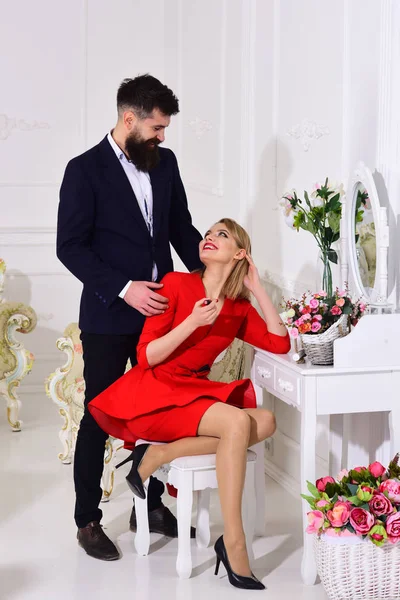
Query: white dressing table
[(346, 389), (365, 377)]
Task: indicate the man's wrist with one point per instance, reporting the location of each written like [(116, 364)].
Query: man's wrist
[(123, 291)]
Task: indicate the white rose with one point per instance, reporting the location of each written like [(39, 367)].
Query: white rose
[(289, 219)]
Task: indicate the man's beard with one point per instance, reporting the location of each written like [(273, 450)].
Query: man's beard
[(143, 155)]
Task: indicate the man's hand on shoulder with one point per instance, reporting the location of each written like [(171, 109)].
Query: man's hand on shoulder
[(141, 296)]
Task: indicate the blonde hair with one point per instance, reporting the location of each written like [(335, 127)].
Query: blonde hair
[(234, 287)]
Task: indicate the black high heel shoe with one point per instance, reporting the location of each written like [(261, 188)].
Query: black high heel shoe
[(239, 581), (133, 478)]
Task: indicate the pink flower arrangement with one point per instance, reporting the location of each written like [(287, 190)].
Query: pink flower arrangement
[(315, 313), (362, 502)]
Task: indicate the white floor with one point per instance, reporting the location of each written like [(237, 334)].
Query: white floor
[(40, 558)]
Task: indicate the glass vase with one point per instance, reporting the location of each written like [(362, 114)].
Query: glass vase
[(326, 283)]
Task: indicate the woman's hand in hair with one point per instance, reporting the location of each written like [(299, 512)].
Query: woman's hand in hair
[(252, 279)]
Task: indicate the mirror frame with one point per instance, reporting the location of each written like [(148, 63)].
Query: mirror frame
[(349, 265)]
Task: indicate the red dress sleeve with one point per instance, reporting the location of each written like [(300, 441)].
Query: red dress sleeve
[(157, 326), (254, 331)]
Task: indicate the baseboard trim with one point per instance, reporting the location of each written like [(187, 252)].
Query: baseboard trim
[(284, 479)]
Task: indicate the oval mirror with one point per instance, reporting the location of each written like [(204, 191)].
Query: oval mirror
[(364, 240)]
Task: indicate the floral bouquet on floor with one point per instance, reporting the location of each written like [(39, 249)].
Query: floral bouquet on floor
[(362, 502), (324, 316), (356, 522)]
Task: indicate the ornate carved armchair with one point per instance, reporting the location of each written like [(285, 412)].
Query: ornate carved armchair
[(15, 361), (66, 387)]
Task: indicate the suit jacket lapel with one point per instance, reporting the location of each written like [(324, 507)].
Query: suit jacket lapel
[(115, 174), (157, 186)]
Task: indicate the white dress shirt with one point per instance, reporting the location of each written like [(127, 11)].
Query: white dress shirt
[(141, 186)]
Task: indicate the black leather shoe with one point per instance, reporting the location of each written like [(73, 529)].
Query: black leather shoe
[(161, 520), (95, 542)]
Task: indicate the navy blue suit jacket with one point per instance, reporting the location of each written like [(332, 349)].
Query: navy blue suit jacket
[(103, 239)]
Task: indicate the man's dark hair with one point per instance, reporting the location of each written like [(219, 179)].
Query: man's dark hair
[(145, 93)]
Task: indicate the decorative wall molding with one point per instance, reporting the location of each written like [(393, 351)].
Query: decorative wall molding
[(247, 128), (286, 285), (30, 184), (10, 124), (39, 274), (200, 126), (204, 189), (84, 75), (275, 89), (27, 236), (346, 82), (306, 131)]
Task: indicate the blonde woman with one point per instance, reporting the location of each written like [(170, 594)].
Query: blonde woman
[(167, 396)]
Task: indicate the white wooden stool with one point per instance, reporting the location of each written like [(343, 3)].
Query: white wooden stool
[(196, 474)]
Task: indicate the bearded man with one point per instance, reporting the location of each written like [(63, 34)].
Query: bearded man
[(122, 203)]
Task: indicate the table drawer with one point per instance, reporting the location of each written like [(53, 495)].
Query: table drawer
[(287, 384), (264, 372)]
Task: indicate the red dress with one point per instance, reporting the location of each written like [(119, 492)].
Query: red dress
[(166, 402)]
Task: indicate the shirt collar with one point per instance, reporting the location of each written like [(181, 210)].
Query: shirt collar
[(120, 155)]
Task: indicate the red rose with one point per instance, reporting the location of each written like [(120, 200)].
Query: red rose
[(376, 469), (321, 483), (380, 505)]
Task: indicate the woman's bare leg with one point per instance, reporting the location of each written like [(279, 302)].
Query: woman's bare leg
[(228, 432), (233, 427), (161, 454), (262, 425)]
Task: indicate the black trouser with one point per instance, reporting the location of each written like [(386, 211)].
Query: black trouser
[(105, 358)]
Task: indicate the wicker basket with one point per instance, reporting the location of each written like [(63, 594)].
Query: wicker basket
[(356, 569), (319, 347)]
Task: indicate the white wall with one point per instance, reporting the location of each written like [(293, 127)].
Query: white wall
[(274, 95)]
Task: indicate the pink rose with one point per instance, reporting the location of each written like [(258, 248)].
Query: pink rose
[(322, 294), (341, 292), (335, 310), (358, 469), (393, 528), (314, 303), (294, 332), (318, 317), (321, 483), (340, 514), (299, 322), (322, 503), (361, 520), (315, 326), (380, 505), (343, 473), (362, 307), (306, 317), (315, 521), (376, 469), (392, 489), (340, 302)]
